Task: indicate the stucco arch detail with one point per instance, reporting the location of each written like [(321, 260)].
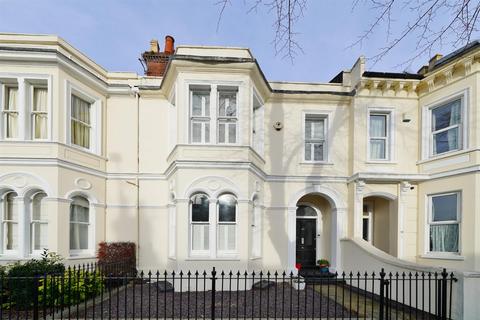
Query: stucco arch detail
[(385, 195), (24, 183), (213, 186)]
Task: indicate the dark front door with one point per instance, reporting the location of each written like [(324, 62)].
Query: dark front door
[(306, 241)]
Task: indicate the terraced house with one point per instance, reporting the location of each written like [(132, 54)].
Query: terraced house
[(205, 162)]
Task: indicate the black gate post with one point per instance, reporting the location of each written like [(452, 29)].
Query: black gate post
[(443, 293), (35, 297), (214, 273), (382, 295)]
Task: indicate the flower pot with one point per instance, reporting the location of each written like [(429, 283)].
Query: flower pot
[(324, 269)]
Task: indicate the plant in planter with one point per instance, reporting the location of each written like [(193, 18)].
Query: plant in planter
[(323, 264)]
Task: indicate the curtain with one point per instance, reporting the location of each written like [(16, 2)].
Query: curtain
[(12, 113), (79, 223), (444, 238), (11, 223), (226, 237), (80, 130), (200, 237), (378, 129), (377, 149), (39, 226), (40, 116)]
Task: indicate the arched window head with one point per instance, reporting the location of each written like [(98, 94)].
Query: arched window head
[(227, 223), (9, 223), (200, 227), (79, 224), (306, 211), (227, 207), (38, 223)]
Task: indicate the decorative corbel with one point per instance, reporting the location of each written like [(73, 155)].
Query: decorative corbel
[(448, 75), (405, 186), (360, 186), (468, 65), (431, 84)]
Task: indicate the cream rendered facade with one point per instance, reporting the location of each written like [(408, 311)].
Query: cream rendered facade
[(141, 168)]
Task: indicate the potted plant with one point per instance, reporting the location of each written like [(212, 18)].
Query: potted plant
[(323, 264)]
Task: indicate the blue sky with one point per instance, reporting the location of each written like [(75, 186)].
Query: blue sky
[(115, 32)]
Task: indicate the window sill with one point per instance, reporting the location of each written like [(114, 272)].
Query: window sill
[(315, 163), (81, 256), (442, 256), (381, 162), (445, 155), (233, 258)]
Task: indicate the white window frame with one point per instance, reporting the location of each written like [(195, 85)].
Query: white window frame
[(203, 119), (33, 113), (214, 86), (24, 82), (233, 252), (368, 216), (95, 116), (389, 113), (91, 229), (226, 120), (427, 134), (429, 221), (4, 249), (326, 144), (258, 134), (31, 230), (200, 253)]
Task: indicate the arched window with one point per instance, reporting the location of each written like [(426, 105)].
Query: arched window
[(200, 223), (79, 224), (38, 223), (9, 223), (227, 223), (306, 212)]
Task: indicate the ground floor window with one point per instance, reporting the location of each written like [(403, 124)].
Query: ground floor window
[(213, 225), (444, 222)]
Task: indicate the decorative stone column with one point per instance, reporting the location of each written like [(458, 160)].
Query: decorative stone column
[(404, 188), (358, 209), (338, 233)]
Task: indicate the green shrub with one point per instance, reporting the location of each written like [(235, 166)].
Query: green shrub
[(21, 283), (74, 287)]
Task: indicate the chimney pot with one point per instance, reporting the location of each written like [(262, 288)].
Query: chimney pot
[(169, 45), (434, 59), (154, 46)]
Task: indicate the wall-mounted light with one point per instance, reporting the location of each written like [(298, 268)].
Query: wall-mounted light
[(406, 118), (278, 126)]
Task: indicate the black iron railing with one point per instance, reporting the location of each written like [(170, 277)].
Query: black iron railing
[(117, 292)]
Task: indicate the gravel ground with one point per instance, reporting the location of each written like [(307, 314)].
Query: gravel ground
[(279, 300)]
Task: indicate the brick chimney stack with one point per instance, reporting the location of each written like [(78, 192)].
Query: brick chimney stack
[(155, 61)]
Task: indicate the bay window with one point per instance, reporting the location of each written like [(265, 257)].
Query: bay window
[(444, 222), (213, 226), (315, 138), (213, 116), (446, 127)]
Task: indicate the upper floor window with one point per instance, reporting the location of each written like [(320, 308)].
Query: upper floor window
[(80, 225), (213, 114), (10, 113), (315, 138), (446, 127), (444, 222), (40, 113), (379, 135), (80, 122), (227, 116), (200, 115)]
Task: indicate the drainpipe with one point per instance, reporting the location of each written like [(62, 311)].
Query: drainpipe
[(136, 92)]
